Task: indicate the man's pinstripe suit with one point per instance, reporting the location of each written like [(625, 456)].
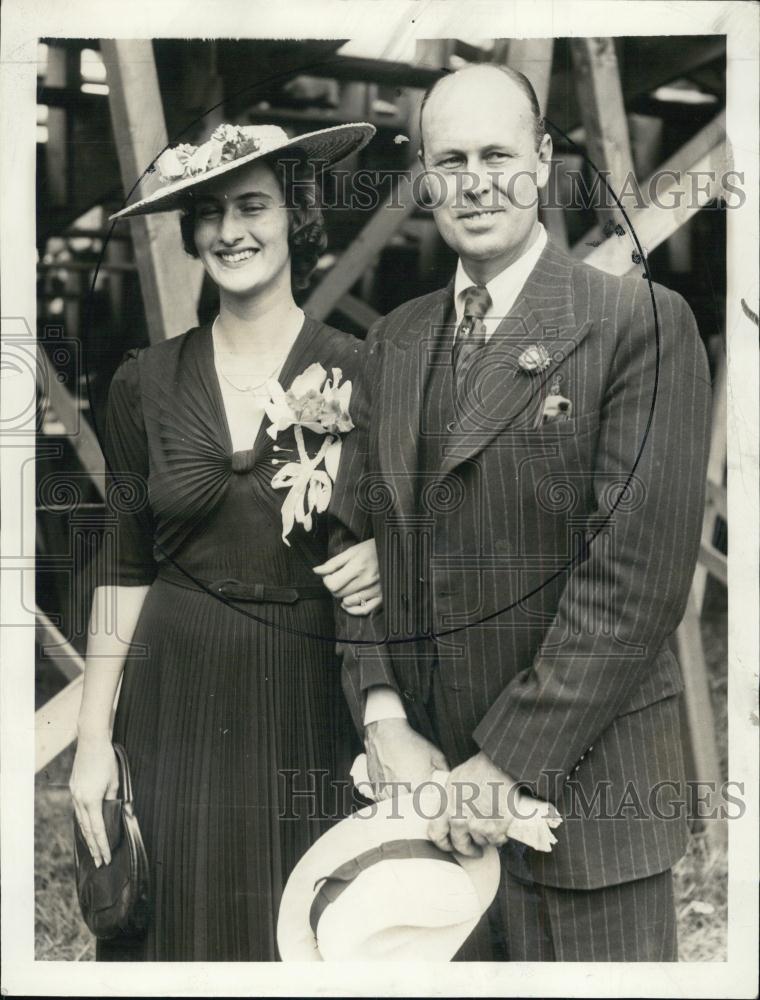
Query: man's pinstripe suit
[(565, 548)]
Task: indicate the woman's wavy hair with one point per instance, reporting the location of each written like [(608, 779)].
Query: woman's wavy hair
[(306, 225)]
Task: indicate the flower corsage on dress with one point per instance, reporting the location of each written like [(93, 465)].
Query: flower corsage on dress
[(318, 403)]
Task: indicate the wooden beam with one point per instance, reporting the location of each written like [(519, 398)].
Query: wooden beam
[(315, 118), (716, 497), (95, 233), (62, 72), (78, 430), (358, 311), (56, 648), (397, 74), (364, 249), (60, 98), (646, 141), (701, 750), (713, 562), (533, 57), (680, 162), (655, 223), (716, 505), (169, 280), (87, 267), (600, 96), (55, 723)]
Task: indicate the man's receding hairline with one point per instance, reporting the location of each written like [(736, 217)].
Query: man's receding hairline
[(520, 80)]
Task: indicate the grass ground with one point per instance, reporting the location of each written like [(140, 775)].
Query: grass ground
[(700, 877)]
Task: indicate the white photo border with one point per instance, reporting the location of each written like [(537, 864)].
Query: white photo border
[(23, 23)]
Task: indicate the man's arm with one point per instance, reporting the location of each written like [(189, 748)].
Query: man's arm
[(383, 703), (366, 660), (549, 715), (396, 753)]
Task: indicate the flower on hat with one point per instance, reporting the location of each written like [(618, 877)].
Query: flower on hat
[(227, 142), (235, 140), (172, 163), (534, 358)]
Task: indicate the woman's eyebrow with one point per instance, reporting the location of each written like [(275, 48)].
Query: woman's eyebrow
[(218, 199), (252, 194)]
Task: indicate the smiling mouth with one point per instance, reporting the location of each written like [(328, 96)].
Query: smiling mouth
[(485, 213), (236, 257)]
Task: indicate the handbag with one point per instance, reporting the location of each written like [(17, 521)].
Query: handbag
[(115, 898)]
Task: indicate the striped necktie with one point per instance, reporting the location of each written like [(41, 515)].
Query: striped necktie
[(471, 332)]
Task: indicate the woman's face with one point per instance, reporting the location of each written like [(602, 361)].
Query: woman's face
[(241, 232)]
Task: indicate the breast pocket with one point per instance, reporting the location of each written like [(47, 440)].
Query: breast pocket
[(555, 482), (562, 430)]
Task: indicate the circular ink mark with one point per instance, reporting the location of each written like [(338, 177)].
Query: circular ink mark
[(584, 545)]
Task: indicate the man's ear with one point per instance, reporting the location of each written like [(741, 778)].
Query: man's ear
[(424, 185), (545, 152)]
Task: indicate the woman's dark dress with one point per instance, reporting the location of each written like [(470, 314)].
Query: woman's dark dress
[(222, 715)]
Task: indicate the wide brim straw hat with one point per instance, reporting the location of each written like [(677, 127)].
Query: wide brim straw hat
[(184, 167), (375, 888)]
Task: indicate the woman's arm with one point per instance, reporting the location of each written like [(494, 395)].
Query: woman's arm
[(95, 773), (353, 577), (123, 579)]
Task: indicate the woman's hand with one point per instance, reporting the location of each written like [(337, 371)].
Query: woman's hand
[(94, 777), (354, 578)]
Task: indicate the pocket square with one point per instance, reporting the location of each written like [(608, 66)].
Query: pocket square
[(556, 409)]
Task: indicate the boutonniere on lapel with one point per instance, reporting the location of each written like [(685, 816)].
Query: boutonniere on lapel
[(554, 407), (534, 359), (319, 404)]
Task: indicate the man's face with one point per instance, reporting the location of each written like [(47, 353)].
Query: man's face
[(479, 145)]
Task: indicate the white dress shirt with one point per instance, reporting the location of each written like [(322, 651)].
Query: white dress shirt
[(503, 288), (382, 701)]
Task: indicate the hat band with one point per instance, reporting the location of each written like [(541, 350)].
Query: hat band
[(393, 850)]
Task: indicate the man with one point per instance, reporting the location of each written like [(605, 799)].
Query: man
[(536, 451)]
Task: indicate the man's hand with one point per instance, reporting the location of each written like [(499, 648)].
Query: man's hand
[(485, 806), (398, 754)]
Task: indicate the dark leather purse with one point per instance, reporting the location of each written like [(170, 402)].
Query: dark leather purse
[(115, 898)]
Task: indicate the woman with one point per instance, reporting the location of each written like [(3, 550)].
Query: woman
[(230, 702)]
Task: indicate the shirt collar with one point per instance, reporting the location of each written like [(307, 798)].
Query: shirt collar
[(506, 285)]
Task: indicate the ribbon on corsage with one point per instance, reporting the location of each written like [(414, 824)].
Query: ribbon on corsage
[(319, 404)]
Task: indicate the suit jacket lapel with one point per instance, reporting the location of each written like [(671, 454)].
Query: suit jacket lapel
[(408, 369), (543, 315)]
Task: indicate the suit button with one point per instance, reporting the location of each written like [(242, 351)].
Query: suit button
[(590, 748), (409, 695)]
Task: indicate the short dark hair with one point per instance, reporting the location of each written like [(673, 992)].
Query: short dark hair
[(306, 225), (519, 79)]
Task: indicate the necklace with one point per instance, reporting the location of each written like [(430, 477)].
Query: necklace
[(243, 388), (249, 388)]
